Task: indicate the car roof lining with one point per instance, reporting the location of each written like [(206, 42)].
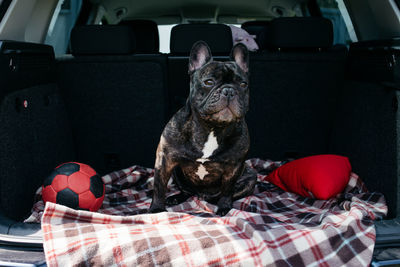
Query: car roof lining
[(183, 11)]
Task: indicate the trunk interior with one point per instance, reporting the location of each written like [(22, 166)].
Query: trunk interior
[(109, 110)]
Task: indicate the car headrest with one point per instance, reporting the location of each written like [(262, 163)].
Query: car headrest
[(299, 32), (217, 36), (102, 40), (257, 28), (146, 33)]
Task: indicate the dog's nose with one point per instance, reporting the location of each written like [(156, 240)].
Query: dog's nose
[(228, 92)]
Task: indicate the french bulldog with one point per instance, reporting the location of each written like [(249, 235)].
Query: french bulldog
[(204, 146)]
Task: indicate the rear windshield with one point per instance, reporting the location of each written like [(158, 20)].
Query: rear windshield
[(335, 11), (165, 35), (4, 4), (64, 18)]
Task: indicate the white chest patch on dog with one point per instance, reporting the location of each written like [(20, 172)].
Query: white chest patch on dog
[(209, 147)]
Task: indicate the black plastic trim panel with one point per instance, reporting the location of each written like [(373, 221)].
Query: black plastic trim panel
[(387, 233)]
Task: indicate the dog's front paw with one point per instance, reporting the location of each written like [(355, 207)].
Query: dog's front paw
[(223, 211), (224, 205), (176, 199), (156, 209)]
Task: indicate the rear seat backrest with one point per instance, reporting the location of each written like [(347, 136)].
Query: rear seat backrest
[(299, 33), (34, 128), (294, 88), (219, 39), (116, 100)]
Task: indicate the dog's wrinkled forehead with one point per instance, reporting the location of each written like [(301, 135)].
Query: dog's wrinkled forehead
[(223, 70)]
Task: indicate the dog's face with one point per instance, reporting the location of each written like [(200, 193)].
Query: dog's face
[(219, 91)]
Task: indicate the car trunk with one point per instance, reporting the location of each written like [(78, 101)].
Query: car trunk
[(109, 111)]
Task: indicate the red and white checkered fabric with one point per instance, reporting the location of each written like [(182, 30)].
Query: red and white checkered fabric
[(269, 228)]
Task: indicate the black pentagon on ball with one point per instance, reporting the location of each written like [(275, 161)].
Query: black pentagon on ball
[(68, 198), (68, 168), (96, 185), (50, 178)]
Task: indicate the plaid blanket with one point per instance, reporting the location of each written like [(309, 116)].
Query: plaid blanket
[(269, 228)]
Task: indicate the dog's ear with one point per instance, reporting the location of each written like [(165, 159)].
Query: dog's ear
[(240, 55), (199, 56)]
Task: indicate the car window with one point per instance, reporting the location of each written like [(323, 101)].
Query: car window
[(343, 30), (165, 34), (398, 3), (4, 4), (64, 18)]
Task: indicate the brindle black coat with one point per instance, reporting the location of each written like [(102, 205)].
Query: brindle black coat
[(214, 113)]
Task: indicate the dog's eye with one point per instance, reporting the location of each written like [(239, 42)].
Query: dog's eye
[(209, 83), (243, 84)]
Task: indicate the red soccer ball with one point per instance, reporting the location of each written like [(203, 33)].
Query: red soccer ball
[(74, 185)]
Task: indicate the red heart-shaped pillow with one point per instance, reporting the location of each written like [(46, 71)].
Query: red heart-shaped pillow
[(321, 176)]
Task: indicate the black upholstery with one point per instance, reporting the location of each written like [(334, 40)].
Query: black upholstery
[(25, 64), (375, 61), (293, 98), (366, 130), (147, 37), (294, 92), (102, 40), (367, 121), (117, 106), (217, 36), (35, 132), (299, 32)]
